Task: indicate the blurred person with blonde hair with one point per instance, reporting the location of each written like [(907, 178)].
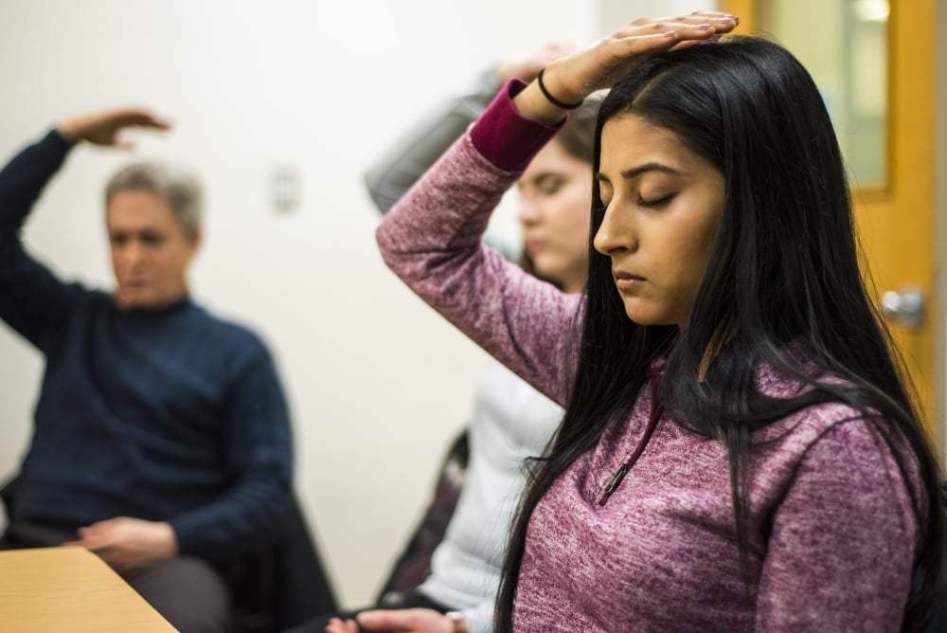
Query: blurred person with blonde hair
[(448, 575)]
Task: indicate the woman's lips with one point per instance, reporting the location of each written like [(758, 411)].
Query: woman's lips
[(534, 245), (627, 281)]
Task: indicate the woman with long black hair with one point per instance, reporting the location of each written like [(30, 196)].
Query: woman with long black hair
[(739, 450)]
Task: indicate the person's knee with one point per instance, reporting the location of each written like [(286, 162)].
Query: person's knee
[(188, 593)]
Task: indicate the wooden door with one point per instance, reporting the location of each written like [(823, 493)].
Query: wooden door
[(895, 215)]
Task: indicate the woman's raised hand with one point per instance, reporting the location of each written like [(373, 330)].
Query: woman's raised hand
[(572, 78), (525, 67)]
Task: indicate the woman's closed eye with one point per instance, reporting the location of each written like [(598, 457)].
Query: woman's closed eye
[(548, 184), (655, 202)]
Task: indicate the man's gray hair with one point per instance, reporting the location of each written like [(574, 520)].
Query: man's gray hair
[(180, 187)]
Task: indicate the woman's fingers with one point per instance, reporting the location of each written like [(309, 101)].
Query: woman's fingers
[(719, 22), (572, 78), (712, 14), (658, 36), (696, 29), (618, 52)]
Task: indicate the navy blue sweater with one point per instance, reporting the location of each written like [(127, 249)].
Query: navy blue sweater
[(171, 415)]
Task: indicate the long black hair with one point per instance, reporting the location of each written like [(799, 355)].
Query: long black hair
[(782, 289)]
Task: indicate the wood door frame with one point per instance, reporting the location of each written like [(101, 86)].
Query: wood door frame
[(938, 307), (940, 241)]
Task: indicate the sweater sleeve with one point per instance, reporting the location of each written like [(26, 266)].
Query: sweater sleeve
[(33, 301), (842, 542), (432, 241), (413, 153), (405, 161), (258, 449)]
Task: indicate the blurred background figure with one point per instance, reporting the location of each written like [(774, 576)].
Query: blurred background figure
[(161, 437), (453, 560)]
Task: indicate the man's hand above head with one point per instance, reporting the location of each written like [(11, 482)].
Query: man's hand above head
[(103, 127)]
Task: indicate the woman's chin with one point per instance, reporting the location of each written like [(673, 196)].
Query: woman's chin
[(645, 315)]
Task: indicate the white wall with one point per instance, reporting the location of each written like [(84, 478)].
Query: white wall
[(610, 13), (376, 381)]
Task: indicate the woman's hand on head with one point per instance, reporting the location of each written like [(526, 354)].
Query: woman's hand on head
[(525, 67), (103, 127), (572, 78)]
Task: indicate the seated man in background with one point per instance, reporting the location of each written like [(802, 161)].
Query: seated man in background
[(161, 440)]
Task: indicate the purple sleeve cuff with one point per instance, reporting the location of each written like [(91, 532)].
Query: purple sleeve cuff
[(506, 138)]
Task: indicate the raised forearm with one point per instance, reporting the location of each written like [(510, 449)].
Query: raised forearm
[(406, 160), (23, 179)]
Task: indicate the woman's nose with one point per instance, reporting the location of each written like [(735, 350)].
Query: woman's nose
[(528, 213), (615, 234)]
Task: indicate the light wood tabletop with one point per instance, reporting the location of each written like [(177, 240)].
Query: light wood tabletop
[(69, 590)]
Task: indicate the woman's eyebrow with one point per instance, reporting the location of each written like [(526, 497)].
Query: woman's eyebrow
[(634, 172)]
